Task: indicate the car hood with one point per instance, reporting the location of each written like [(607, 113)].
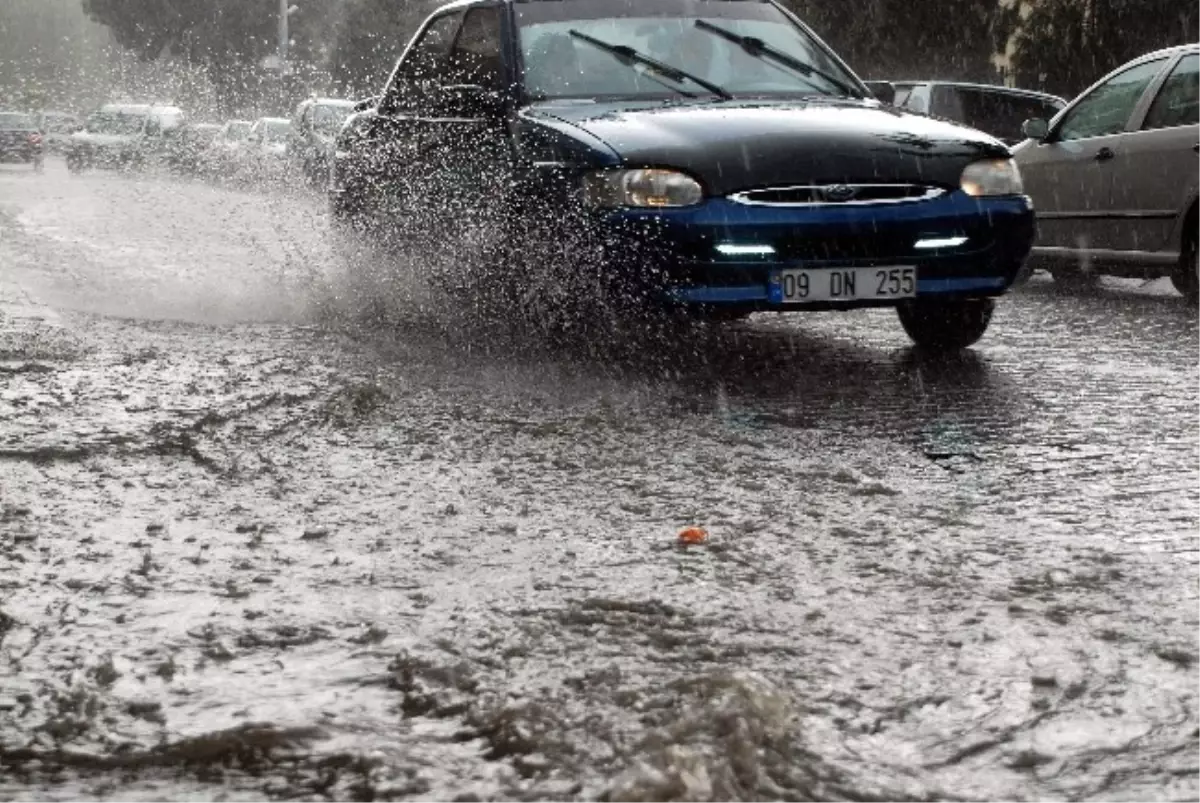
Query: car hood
[(737, 145), (103, 140)]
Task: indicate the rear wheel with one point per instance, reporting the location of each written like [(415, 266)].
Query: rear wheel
[(947, 325), (1186, 276)]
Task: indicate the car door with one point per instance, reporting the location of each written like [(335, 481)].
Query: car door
[(1155, 168), (465, 145), (1069, 174), (387, 144)]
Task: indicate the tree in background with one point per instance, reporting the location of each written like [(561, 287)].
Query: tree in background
[(1066, 45), (895, 39), (371, 38), (228, 38)]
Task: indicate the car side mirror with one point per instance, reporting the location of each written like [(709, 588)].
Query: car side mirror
[(470, 100), (1035, 128), (884, 91)]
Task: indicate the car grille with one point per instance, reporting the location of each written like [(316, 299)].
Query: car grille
[(837, 195), (863, 245)]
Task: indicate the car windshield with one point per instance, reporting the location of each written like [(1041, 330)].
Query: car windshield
[(15, 120), (562, 64), (328, 118), (115, 123)]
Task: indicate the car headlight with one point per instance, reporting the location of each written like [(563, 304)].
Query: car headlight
[(992, 177), (648, 188)]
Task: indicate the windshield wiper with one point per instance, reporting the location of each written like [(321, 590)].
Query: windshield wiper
[(760, 49), (627, 55)]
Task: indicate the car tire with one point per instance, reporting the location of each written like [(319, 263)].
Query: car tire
[(1186, 276), (948, 325)]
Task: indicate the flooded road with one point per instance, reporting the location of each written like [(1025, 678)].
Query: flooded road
[(254, 543)]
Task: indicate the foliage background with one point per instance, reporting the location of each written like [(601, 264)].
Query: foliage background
[(209, 52)]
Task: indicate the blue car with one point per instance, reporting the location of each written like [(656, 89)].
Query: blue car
[(711, 156)]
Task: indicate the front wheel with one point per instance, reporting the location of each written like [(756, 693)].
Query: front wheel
[(947, 325)]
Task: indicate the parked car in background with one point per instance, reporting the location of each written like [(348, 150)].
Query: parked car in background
[(1114, 175), (995, 110), (314, 128), (57, 128), (21, 140), (710, 158), (264, 155), (111, 136), (220, 159), (186, 151), (123, 135)]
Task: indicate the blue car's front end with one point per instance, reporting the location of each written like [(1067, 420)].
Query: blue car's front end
[(726, 254), (812, 204)]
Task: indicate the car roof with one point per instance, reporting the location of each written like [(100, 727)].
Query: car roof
[(273, 120), (1193, 47), (1012, 90)]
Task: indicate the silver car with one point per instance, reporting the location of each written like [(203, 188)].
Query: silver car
[(1114, 175)]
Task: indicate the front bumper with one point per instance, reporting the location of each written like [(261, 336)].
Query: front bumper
[(979, 246)]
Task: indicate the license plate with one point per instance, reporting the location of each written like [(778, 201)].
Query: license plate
[(802, 286)]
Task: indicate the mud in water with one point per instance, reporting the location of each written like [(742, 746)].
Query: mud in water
[(270, 529)]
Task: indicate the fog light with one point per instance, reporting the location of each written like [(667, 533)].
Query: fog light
[(747, 250)]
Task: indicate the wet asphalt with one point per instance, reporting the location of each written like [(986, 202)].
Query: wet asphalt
[(270, 530)]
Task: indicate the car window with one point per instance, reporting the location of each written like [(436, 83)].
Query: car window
[(902, 94), (106, 122), (945, 101), (426, 58), (1178, 102), (15, 120), (328, 119), (558, 64), (1000, 113), (475, 57), (1107, 109), (915, 102), (274, 132)]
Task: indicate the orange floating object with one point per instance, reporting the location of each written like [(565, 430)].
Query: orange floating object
[(693, 535)]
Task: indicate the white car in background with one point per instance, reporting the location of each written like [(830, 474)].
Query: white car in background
[(220, 159), (264, 154), (123, 135)]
